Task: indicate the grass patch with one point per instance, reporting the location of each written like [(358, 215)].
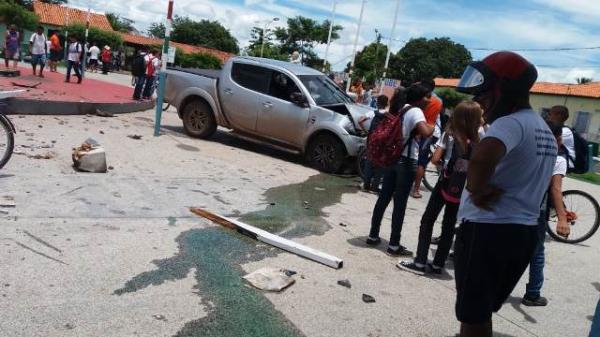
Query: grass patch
[(590, 177)]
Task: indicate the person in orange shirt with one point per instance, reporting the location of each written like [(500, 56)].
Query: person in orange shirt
[(432, 113), (55, 51)]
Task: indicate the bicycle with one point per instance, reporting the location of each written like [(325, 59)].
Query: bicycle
[(583, 215), (7, 129)]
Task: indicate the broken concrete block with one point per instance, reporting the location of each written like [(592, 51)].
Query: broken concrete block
[(270, 279), (90, 157)]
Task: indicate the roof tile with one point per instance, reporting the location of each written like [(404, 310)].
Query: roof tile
[(60, 16)]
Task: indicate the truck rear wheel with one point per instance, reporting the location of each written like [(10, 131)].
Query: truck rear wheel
[(326, 153), (198, 119)]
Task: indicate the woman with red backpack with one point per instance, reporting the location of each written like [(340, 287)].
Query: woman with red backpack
[(393, 144), (455, 147)]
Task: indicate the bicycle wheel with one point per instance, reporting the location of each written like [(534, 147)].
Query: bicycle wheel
[(432, 175), (588, 217), (7, 142)]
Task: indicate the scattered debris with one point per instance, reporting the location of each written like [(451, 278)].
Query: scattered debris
[(111, 168), (48, 155), (290, 272), (368, 298), (103, 113), (272, 204), (25, 84), (270, 279), (272, 239), (7, 201), (69, 326), (345, 283), (136, 137), (101, 132), (159, 317), (90, 157), (343, 224)]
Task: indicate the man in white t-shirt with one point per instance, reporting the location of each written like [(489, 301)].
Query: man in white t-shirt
[(38, 50), (559, 114), (398, 179), (509, 173), (94, 54), (533, 297), (74, 56)]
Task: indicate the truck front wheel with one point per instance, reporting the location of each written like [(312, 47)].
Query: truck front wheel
[(326, 153), (198, 119)]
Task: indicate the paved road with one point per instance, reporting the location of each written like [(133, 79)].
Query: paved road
[(119, 254)]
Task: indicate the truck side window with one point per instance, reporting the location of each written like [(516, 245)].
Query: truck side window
[(282, 86), (251, 77)]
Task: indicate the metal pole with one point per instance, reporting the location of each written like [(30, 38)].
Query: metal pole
[(162, 75), (262, 45), (87, 31), (67, 36), (362, 11), (330, 32), (389, 53)]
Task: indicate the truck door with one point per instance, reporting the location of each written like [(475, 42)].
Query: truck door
[(239, 91), (278, 117)]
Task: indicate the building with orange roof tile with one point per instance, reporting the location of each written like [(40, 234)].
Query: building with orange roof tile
[(583, 101)]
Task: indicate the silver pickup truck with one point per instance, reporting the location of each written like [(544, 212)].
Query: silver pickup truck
[(287, 106)]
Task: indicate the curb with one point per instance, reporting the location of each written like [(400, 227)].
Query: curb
[(19, 106)]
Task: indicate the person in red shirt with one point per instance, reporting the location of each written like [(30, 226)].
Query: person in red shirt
[(106, 59), (55, 51)]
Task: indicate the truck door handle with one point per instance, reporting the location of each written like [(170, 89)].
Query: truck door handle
[(268, 105), (228, 91)]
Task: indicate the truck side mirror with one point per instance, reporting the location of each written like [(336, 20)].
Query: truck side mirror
[(299, 99)]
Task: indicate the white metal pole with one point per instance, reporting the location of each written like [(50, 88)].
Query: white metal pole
[(331, 23), (85, 41), (362, 11), (389, 53), (262, 45)]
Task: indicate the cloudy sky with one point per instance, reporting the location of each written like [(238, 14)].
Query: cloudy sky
[(492, 24)]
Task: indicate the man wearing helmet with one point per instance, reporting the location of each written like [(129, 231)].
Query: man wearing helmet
[(509, 173)]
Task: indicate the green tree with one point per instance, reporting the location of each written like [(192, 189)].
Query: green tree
[(100, 36), (302, 34), (584, 80), (203, 33), (270, 50), (13, 13), (451, 97), (425, 59), (370, 62), (120, 24), (157, 30), (197, 60)]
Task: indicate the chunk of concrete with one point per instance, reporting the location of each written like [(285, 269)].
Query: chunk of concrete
[(90, 157), (270, 279)]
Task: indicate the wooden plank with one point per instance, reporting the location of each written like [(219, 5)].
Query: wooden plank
[(271, 239)]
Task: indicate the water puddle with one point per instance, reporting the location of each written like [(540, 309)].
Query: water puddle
[(216, 255)]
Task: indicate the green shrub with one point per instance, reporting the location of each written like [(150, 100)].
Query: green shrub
[(197, 60), (101, 37), (12, 13)]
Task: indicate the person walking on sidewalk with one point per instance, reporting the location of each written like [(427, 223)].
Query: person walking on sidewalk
[(533, 297), (94, 55), (12, 43), (106, 60), (455, 146), (38, 50), (509, 173), (152, 66), (138, 73), (74, 56), (55, 52), (398, 179)]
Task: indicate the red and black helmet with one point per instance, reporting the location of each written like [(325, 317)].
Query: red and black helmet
[(504, 71)]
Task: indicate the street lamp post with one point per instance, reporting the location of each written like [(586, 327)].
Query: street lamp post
[(331, 23), (264, 33), (389, 53), (362, 11)]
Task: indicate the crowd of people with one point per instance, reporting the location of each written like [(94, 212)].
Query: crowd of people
[(501, 169)]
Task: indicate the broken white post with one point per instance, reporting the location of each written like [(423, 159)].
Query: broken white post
[(272, 239)]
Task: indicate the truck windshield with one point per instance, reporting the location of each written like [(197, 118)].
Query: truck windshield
[(323, 90)]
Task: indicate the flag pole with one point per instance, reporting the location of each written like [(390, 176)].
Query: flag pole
[(389, 53), (162, 75), (362, 11), (331, 23)]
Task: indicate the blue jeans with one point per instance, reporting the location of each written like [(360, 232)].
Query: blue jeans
[(372, 176), (595, 332), (536, 265), (149, 88), (139, 86), (71, 65), (397, 182)]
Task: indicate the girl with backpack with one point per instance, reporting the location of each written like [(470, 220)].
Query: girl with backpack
[(455, 146), (393, 144)]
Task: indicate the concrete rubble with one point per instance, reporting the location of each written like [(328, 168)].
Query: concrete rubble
[(90, 157)]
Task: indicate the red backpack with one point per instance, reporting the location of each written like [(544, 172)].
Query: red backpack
[(150, 67), (386, 143)]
